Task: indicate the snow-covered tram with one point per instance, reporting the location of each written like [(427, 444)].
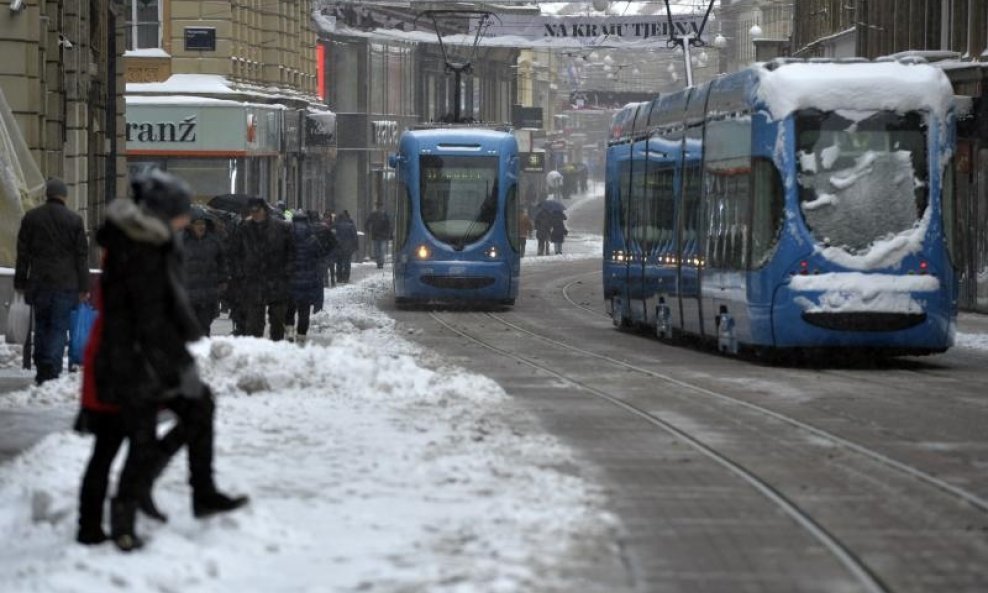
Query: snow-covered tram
[(791, 205), (457, 238)]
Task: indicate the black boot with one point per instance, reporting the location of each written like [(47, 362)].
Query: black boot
[(147, 506), (90, 535), (122, 516), (214, 501)]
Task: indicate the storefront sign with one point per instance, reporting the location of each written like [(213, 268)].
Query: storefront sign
[(212, 128), (183, 131), (532, 162)]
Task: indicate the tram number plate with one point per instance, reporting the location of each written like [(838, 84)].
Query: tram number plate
[(457, 270)]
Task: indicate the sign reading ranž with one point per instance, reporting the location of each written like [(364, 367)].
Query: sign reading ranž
[(585, 30)]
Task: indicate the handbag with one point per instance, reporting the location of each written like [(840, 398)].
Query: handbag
[(80, 326), (18, 319)]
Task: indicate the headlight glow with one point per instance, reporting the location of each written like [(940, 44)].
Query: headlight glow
[(492, 252), (422, 252)]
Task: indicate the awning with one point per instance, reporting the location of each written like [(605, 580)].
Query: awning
[(21, 183)]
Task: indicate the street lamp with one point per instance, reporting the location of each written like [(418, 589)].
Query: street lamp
[(601, 5), (720, 42), (755, 31)]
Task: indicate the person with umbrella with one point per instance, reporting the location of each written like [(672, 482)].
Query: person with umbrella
[(263, 252), (205, 268), (546, 215)]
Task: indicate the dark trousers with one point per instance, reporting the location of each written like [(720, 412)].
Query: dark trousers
[(110, 432), (276, 318), (205, 313), (343, 261), (304, 311), (52, 310), (144, 457)]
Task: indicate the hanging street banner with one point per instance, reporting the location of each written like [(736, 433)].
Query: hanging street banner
[(509, 30), (590, 30)]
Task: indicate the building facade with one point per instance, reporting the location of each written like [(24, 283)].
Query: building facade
[(62, 80), (224, 94)]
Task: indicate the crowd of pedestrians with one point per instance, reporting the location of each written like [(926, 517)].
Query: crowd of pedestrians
[(167, 270)]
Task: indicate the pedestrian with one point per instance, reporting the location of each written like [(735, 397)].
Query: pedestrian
[(233, 295), (346, 244), (524, 229), (52, 272), (263, 254), (205, 268), (543, 228), (142, 362), (378, 226), (105, 423), (307, 286), (329, 263), (558, 230)]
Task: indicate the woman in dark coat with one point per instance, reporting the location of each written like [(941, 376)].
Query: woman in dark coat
[(558, 231), (307, 284), (205, 269), (142, 363)]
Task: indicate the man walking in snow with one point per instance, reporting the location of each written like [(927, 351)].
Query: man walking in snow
[(263, 254), (378, 226), (53, 274)]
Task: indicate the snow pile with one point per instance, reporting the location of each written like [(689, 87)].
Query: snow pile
[(10, 354), (367, 471), (971, 341)]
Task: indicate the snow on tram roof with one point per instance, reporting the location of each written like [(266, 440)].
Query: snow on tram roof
[(894, 86)]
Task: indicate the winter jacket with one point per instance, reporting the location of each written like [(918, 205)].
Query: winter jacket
[(558, 231), (309, 251), (146, 320), (543, 225), (378, 226), (52, 250), (346, 235), (205, 267), (262, 255)]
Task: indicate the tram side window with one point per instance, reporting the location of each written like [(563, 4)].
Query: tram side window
[(767, 218), (691, 210), (511, 219), (660, 198), (403, 209), (948, 211), (638, 209), (624, 194)]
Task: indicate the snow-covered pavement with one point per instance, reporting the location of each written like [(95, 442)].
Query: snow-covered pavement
[(371, 465)]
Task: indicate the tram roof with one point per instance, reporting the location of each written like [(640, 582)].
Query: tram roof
[(786, 85)]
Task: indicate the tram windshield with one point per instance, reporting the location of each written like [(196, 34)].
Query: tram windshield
[(863, 175), (459, 196)]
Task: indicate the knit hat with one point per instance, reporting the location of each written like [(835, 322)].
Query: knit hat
[(256, 203), (56, 188), (162, 194)]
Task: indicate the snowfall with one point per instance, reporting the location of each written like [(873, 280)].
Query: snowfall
[(371, 465)]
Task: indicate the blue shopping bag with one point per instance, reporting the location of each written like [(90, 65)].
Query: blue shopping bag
[(80, 324)]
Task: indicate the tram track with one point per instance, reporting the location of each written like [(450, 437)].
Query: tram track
[(975, 501), (747, 467), (855, 566)]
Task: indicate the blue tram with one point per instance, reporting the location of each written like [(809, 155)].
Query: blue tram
[(457, 235), (791, 205)]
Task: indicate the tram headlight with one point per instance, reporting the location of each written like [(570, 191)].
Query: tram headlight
[(492, 252), (422, 252)]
